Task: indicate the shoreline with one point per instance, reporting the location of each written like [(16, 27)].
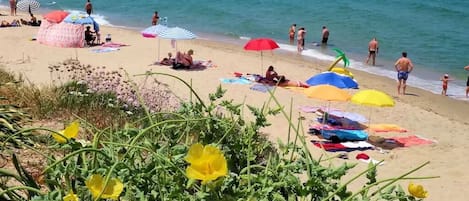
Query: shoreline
[(425, 78), (423, 113)]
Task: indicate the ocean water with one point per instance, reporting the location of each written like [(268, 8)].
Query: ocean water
[(434, 33)]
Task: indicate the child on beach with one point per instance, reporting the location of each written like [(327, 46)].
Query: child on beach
[(445, 80)]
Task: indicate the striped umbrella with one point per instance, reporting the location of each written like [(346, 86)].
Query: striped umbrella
[(152, 32), (28, 5), (176, 33)]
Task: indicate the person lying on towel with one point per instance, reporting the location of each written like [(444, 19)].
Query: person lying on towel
[(168, 61), (283, 82)]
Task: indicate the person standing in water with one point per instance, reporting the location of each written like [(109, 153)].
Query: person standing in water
[(291, 33), (325, 35), (372, 50), (88, 7), (301, 39), (155, 18), (467, 82), (403, 67)]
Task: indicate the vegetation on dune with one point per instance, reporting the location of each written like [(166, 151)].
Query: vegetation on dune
[(127, 144)]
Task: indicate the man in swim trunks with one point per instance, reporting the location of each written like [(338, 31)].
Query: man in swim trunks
[(325, 35), (291, 33), (301, 39), (403, 67), (88, 7), (467, 82), (372, 50)]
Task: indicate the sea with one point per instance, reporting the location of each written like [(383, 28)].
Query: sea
[(435, 33)]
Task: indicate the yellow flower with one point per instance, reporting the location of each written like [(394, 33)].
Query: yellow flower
[(71, 197), (206, 163), (70, 132), (417, 190), (111, 191)]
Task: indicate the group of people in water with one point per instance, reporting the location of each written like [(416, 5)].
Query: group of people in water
[(301, 34)]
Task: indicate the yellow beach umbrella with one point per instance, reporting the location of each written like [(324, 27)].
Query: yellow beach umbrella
[(327, 93), (371, 97)]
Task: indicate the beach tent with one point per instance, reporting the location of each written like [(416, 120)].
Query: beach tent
[(61, 34), (65, 34)]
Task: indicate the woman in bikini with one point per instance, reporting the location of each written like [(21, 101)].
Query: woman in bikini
[(291, 33)]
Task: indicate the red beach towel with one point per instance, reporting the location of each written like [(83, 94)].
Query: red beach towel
[(413, 140)]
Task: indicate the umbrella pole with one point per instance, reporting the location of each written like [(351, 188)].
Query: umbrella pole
[(158, 49), (262, 63)]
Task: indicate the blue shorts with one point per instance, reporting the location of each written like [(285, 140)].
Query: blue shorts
[(402, 75)]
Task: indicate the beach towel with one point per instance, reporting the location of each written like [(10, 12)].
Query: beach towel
[(106, 49), (234, 81), (113, 44), (386, 128), (262, 88), (413, 140), (345, 135), (344, 146), (312, 109)]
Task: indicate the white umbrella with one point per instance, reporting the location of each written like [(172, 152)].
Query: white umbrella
[(152, 32), (26, 5), (177, 33)]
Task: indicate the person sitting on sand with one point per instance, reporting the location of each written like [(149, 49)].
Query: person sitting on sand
[(168, 61), (34, 21), (183, 60), (89, 37), (271, 75)]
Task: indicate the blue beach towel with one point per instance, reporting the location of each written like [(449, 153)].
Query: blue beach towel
[(345, 135), (262, 88), (106, 49), (234, 81)]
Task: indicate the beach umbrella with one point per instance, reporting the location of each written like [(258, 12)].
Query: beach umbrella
[(28, 5), (56, 16), (371, 97), (152, 32), (327, 93), (79, 18), (333, 79), (261, 44), (175, 34)]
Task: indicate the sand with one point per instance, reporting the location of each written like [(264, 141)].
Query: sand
[(423, 113)]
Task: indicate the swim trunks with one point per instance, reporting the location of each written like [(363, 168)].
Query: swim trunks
[(324, 40), (467, 83), (372, 52), (402, 75)]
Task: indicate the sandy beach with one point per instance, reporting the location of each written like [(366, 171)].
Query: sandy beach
[(423, 113)]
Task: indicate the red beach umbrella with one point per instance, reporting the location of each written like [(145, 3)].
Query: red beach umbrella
[(56, 16), (261, 44)]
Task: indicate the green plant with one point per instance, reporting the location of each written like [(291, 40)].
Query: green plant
[(149, 157)]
